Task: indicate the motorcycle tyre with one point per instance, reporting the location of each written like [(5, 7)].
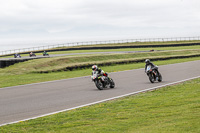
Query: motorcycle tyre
[(112, 83), (99, 85), (151, 78), (159, 78)]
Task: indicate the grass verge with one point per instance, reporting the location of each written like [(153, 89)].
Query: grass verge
[(169, 109)]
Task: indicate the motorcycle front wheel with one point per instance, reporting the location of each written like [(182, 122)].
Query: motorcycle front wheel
[(99, 85), (151, 78)]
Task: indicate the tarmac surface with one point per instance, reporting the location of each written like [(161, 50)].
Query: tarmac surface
[(33, 100)]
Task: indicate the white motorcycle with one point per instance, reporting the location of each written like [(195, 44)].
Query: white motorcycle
[(102, 81), (153, 74)]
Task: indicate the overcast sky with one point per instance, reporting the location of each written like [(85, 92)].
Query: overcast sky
[(66, 20)]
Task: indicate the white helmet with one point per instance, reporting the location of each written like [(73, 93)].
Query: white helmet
[(94, 67)]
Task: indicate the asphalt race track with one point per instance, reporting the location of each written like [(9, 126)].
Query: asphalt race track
[(27, 101)]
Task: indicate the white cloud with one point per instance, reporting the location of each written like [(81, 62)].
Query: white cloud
[(88, 18)]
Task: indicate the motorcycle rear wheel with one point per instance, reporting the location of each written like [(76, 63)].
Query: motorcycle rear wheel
[(159, 77), (112, 83)]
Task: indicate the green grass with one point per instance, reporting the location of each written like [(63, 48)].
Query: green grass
[(9, 78), (169, 109)]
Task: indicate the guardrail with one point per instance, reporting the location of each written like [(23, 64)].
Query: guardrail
[(99, 42)]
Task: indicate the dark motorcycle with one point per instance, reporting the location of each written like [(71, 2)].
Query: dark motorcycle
[(17, 56), (102, 82), (153, 74), (32, 55)]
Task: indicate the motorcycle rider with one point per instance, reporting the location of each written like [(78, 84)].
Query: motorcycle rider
[(31, 53), (17, 55), (45, 53), (99, 72), (153, 67)]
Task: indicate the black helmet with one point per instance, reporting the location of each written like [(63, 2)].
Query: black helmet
[(147, 61)]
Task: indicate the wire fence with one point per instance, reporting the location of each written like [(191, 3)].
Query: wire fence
[(147, 40)]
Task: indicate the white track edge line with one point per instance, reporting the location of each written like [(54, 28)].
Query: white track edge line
[(89, 104)]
